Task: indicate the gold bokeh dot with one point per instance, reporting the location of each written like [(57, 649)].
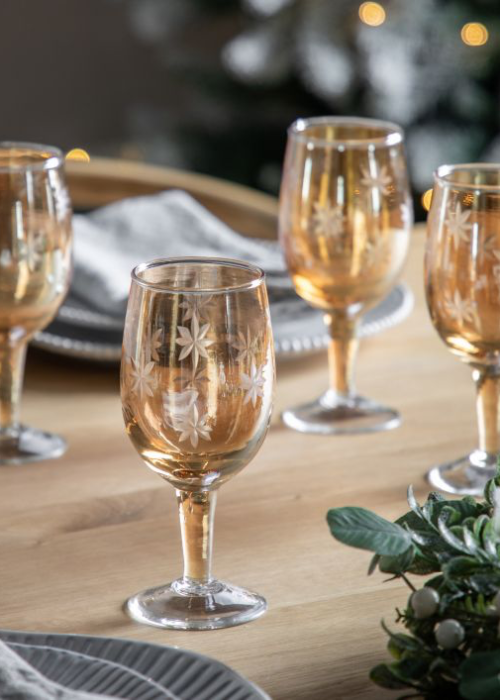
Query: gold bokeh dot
[(474, 34), (371, 13), (427, 199), (78, 154)]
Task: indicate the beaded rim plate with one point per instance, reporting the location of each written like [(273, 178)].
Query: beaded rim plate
[(86, 334), (172, 673)]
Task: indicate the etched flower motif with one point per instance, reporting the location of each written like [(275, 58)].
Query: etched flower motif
[(481, 283), (155, 343), (379, 181), (182, 414), (252, 384), (374, 251), (458, 227), (328, 220), (245, 345), (60, 195), (460, 309), (193, 426), (5, 258), (222, 377), (406, 214), (143, 382), (36, 249), (193, 379), (193, 341), (193, 305)]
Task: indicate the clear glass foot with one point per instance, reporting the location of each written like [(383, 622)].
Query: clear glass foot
[(183, 606), (466, 476), (22, 445), (338, 414)]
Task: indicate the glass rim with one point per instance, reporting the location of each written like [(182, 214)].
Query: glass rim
[(394, 135), (259, 278), (54, 160), (441, 176)]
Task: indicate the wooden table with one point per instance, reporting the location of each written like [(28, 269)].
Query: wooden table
[(80, 534)]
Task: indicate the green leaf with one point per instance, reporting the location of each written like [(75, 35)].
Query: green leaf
[(400, 643), (461, 566), (448, 536), (398, 564), (361, 528), (383, 677), (479, 525), (373, 564), (479, 676), (412, 502)]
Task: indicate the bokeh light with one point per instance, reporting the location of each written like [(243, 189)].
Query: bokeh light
[(372, 13), (474, 34), (427, 199), (78, 154)]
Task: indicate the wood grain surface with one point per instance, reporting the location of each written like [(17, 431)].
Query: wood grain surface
[(80, 534)]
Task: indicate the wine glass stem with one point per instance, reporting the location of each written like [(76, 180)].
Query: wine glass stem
[(342, 352), (196, 513), (12, 359), (487, 387)]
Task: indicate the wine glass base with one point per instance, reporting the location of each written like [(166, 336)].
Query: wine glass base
[(466, 476), (335, 414), (24, 445), (181, 606)]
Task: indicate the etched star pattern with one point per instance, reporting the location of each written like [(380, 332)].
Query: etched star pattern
[(481, 283), (193, 341), (380, 181), (245, 345), (459, 309), (36, 249), (406, 215), (252, 384), (5, 258), (143, 381), (194, 379), (182, 414), (155, 343), (373, 252), (458, 226), (193, 426), (328, 220), (194, 305)]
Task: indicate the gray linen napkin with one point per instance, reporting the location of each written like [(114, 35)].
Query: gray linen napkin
[(112, 240), (20, 681)]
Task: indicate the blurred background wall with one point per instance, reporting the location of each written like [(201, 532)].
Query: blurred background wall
[(211, 85)]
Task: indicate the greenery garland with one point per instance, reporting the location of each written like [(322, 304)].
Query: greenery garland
[(452, 649)]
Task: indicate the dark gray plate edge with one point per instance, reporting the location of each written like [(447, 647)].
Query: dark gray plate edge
[(107, 662), (37, 638), (107, 352)]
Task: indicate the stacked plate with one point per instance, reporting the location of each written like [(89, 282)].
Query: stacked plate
[(130, 670), (79, 331)]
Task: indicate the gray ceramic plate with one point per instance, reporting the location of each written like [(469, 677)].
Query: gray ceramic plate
[(177, 673), (84, 333)]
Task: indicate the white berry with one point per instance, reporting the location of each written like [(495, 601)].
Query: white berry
[(424, 602), (449, 634)]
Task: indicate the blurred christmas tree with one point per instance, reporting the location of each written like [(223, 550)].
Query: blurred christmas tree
[(247, 68)]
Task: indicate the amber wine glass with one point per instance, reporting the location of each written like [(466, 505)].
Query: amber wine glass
[(197, 385), (35, 266), (345, 220), (462, 281)]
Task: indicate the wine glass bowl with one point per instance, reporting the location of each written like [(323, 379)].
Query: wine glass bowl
[(35, 267), (345, 220), (197, 385), (462, 281)]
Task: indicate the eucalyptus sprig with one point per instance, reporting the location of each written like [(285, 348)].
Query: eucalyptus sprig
[(452, 648)]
